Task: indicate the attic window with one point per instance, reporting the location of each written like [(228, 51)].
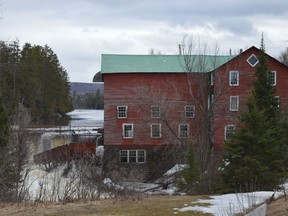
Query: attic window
[(253, 60)]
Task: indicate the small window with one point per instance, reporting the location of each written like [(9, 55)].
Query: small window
[(155, 111), (155, 130), (189, 111), (183, 130), (128, 131), (276, 102), (234, 103), (141, 156), (253, 60), (124, 156), (122, 111), (211, 79), (132, 156), (234, 78), (210, 101), (229, 131), (272, 77)]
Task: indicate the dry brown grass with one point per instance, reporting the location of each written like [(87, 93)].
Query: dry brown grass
[(143, 206)]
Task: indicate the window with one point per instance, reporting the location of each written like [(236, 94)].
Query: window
[(234, 103), (253, 60), (155, 130), (132, 156), (128, 131), (155, 111), (272, 77), (211, 79), (122, 111), (189, 111), (234, 78), (276, 102), (229, 131), (183, 130), (210, 101)]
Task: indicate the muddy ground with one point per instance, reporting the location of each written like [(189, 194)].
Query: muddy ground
[(278, 207)]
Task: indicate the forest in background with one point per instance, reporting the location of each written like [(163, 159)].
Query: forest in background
[(87, 95), (33, 76)]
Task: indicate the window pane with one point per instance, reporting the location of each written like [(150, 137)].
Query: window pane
[(234, 79), (141, 156), (155, 112), (128, 130), (252, 60), (122, 111), (183, 131), (155, 130), (229, 131), (189, 111), (132, 156), (123, 157), (272, 77), (234, 103)]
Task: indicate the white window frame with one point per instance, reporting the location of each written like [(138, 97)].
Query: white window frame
[(226, 132), (189, 111), (155, 113), (154, 127), (253, 65), (211, 79), (122, 114), (234, 99), (125, 156), (210, 101), (128, 134), (274, 77), (278, 100), (181, 132), (230, 78)]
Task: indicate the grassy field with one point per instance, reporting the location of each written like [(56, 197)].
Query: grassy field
[(132, 206)]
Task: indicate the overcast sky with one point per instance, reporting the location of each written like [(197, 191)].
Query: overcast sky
[(79, 31)]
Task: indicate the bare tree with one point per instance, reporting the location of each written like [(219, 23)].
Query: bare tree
[(20, 148), (201, 65), (284, 56)]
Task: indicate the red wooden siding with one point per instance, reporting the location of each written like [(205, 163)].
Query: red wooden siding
[(223, 116), (138, 92)]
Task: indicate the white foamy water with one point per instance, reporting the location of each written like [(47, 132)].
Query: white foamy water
[(61, 183)]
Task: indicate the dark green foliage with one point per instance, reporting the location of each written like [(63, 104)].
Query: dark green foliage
[(34, 77), (88, 101), (263, 92), (255, 156), (190, 174)]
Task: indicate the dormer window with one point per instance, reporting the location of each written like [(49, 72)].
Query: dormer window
[(253, 60)]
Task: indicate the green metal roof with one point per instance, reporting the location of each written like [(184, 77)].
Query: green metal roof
[(160, 63)]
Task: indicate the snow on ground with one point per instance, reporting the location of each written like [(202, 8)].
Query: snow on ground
[(228, 204)]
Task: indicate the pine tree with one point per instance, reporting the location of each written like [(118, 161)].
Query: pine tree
[(255, 156), (190, 174)]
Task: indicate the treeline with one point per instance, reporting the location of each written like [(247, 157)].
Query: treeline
[(33, 76), (88, 101)]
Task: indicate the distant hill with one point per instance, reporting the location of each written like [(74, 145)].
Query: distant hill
[(80, 88)]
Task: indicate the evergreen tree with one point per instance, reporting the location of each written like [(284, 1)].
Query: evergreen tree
[(191, 173), (256, 154)]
